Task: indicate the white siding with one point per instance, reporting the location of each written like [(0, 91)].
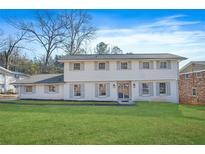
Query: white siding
[(90, 74), (41, 94)]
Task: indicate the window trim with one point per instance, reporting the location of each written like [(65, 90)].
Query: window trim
[(74, 91), (29, 91), (122, 63), (105, 90), (147, 88), (148, 65), (99, 66), (199, 76), (162, 94), (163, 62), (52, 91), (74, 66), (194, 88), (185, 76)]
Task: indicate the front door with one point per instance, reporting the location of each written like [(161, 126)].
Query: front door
[(124, 91)]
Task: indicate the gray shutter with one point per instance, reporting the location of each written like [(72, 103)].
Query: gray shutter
[(96, 65), (57, 88), (151, 65), (82, 66), (96, 90), (33, 89), (82, 90), (140, 89), (157, 88), (168, 88), (158, 64), (108, 89), (71, 90), (70, 66), (151, 89), (45, 89), (107, 65), (118, 65), (129, 63), (169, 64), (140, 65)]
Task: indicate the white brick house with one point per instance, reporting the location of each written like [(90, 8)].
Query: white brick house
[(123, 78)]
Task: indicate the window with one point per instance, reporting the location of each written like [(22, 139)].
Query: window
[(124, 65), (101, 66), (102, 89), (17, 76), (193, 91), (145, 65), (76, 66), (28, 89), (145, 88), (162, 88), (163, 65), (199, 74), (187, 76), (51, 88), (77, 91)]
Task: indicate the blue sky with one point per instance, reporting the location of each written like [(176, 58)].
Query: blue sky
[(179, 32)]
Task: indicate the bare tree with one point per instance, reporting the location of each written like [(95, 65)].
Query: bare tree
[(46, 31), (9, 46), (78, 30)]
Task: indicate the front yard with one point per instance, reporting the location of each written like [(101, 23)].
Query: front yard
[(144, 123)]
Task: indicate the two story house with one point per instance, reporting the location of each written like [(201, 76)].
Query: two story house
[(112, 77)]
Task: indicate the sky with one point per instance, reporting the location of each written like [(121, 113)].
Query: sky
[(180, 32)]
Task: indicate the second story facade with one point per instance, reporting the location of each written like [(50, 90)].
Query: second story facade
[(121, 67)]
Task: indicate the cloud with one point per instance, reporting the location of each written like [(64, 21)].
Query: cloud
[(168, 34)]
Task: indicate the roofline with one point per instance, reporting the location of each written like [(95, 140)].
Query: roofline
[(190, 63), (34, 83), (66, 60)]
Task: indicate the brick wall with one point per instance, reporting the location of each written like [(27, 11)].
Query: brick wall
[(185, 89)]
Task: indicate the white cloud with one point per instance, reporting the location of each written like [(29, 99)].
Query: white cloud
[(163, 35)]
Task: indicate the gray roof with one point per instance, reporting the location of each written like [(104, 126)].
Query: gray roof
[(42, 79), (122, 56), (188, 66)]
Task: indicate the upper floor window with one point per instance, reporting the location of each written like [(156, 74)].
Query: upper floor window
[(124, 65), (163, 65), (77, 90), (76, 66), (187, 76), (199, 74), (28, 89), (102, 89), (101, 66), (145, 65)]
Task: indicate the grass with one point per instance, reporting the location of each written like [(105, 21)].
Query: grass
[(144, 123), (46, 102)]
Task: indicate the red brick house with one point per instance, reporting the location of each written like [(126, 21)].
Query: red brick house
[(192, 83)]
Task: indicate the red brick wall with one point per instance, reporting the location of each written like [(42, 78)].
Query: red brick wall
[(185, 89)]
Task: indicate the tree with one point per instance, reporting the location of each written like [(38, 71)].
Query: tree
[(45, 30), (78, 31), (102, 48), (116, 50), (10, 46)]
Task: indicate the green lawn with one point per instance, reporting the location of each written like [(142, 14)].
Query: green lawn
[(144, 123), (45, 102)]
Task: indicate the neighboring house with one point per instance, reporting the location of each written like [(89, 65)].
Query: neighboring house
[(7, 77), (122, 77), (192, 83)]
